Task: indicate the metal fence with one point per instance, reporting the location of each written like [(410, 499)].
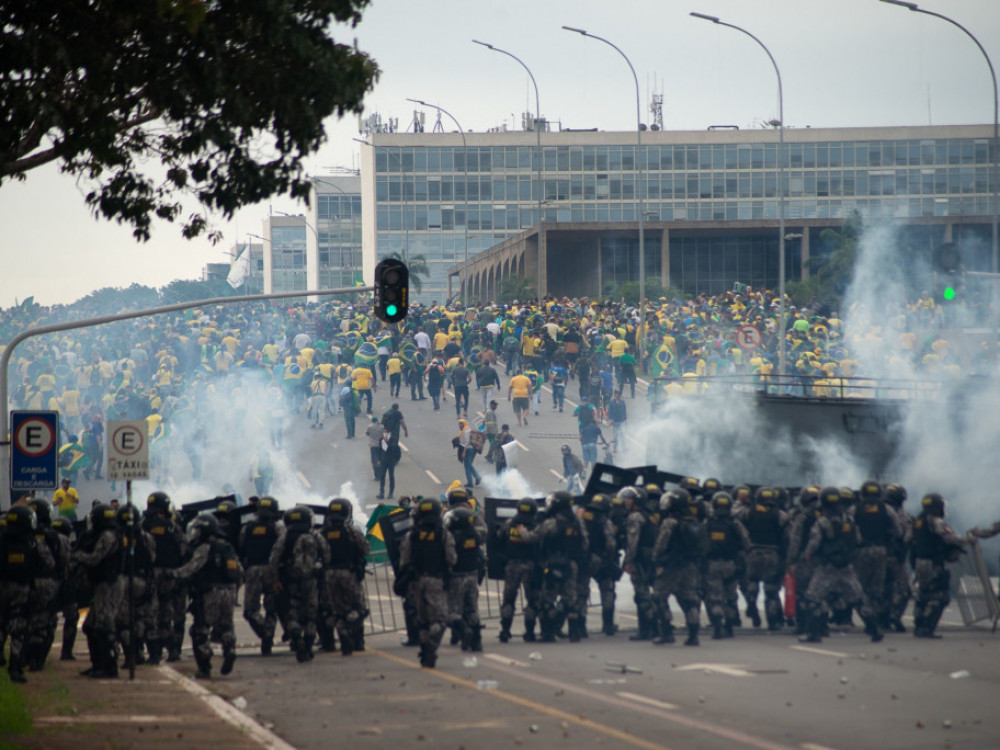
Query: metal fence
[(972, 588)]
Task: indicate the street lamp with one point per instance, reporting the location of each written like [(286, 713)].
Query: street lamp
[(640, 187), (402, 171), (538, 155), (782, 323), (995, 172), (465, 148)]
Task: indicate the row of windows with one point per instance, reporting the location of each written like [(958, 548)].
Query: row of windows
[(513, 218), (332, 207), (417, 159), (820, 183), (620, 260)]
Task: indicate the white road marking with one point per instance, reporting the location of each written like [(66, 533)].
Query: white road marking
[(109, 719), (556, 474), (431, 475), (506, 660), (522, 446), (648, 701), (732, 670), (252, 730), (404, 448), (814, 746), (821, 651)]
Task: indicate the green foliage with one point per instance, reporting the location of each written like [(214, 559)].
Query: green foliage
[(14, 716), (147, 102), (513, 288), (417, 265), (181, 290), (831, 274), (630, 291), (110, 300)]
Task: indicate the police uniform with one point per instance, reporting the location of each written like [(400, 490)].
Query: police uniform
[(879, 530), (45, 589), (640, 530), (798, 538), (343, 597), (426, 556), (677, 555), (727, 542), (298, 558), (467, 573), (934, 546), (765, 524), (214, 572), (256, 543), (142, 552), (520, 572), (171, 549), (603, 567)]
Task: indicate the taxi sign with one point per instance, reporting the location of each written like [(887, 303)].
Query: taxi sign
[(34, 455), (128, 450)]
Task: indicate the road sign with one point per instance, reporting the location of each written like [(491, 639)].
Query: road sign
[(34, 457), (748, 337), (128, 450)]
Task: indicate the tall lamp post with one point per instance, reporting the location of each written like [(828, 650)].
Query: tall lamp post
[(995, 171), (538, 154), (640, 188), (782, 323), (263, 264), (406, 223), (465, 148)]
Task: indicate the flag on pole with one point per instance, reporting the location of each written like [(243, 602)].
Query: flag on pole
[(240, 269), (359, 280)]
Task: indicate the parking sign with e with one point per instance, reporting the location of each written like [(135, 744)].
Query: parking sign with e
[(34, 456), (128, 450)]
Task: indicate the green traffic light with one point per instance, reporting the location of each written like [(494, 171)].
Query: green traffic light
[(949, 292), (391, 310)]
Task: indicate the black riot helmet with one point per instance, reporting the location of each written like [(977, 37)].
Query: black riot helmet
[(676, 502), (933, 504), (339, 509), (457, 496), (267, 507), (809, 496), (742, 494), (429, 509), (102, 516), (830, 498), (527, 507), (722, 503), (558, 501), (766, 496), (870, 490), (599, 503), (710, 486), (20, 519), (43, 514), (225, 511), (691, 484), (299, 518), (895, 495), (158, 502), (653, 494), (202, 527), (63, 525), (459, 517), (630, 493), (126, 517)]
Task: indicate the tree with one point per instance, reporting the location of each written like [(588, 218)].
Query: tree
[(148, 102), (417, 265), (831, 272), (512, 288)]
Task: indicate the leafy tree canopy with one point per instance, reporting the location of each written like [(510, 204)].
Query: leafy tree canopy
[(146, 102)]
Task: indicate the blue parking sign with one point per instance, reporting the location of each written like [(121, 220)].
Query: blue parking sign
[(34, 455)]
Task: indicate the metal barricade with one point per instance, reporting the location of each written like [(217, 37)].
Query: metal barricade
[(972, 588)]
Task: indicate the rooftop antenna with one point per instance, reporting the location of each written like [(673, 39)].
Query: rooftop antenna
[(438, 127)]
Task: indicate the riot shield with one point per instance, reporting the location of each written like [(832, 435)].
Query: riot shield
[(497, 512), (394, 527), (608, 479)]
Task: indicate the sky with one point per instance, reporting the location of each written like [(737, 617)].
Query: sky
[(843, 63)]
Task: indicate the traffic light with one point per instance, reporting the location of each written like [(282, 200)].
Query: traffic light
[(392, 290)]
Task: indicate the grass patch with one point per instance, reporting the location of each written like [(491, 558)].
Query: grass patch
[(14, 716)]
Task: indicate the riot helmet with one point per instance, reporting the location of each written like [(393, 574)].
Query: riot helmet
[(741, 494), (599, 503), (63, 525), (527, 507), (102, 516), (158, 502), (558, 501), (43, 514), (895, 495), (429, 509), (933, 504), (830, 498), (202, 526), (458, 517), (267, 507), (457, 496), (722, 503), (809, 496), (676, 501), (870, 490), (20, 518), (766, 496), (628, 493), (710, 486), (299, 518), (340, 509)]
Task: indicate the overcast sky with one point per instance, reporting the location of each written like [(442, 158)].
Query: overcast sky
[(843, 63)]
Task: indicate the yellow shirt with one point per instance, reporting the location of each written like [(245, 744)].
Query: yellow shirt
[(66, 501), (441, 340), (362, 379), (394, 366), (520, 386), (617, 348)]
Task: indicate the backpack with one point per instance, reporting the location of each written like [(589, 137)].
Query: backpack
[(477, 440)]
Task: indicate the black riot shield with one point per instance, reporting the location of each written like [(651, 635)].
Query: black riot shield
[(394, 527), (498, 510), (608, 479)]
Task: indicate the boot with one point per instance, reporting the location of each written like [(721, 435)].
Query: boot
[(574, 630), (873, 630), (69, 640), (529, 629), (814, 629), (774, 623), (666, 633), (753, 614), (155, 649), (608, 626), (204, 663), (16, 670), (477, 639), (505, 623), (898, 626), (303, 652), (456, 634), (728, 628), (93, 653), (228, 660), (428, 655), (358, 636), (692, 639), (346, 645), (548, 630), (33, 657), (718, 632), (645, 632), (327, 640), (266, 645)]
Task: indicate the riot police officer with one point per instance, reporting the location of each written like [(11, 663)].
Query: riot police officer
[(102, 557), (934, 546), (343, 595), (468, 572), (640, 530), (214, 571), (897, 577), (520, 572), (139, 549), (298, 557), (798, 537), (22, 557), (68, 605), (46, 587), (171, 550), (677, 555), (727, 542), (603, 568), (765, 524), (879, 530), (426, 556), (257, 540)]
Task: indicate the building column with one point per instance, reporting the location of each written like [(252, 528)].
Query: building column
[(804, 268), (665, 259), (543, 261)]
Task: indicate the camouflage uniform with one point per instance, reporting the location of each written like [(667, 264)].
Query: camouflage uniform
[(520, 574), (45, 596), (832, 540), (765, 524), (677, 556), (298, 558), (343, 596), (427, 553), (897, 577), (171, 594), (802, 569), (143, 595), (564, 547), (880, 530), (934, 545), (214, 571), (640, 534), (727, 543), (469, 569), (102, 558), (21, 559), (256, 543), (602, 566)]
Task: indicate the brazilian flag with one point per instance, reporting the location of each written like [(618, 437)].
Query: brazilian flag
[(408, 351), (475, 357), (359, 280), (373, 532), (366, 354), (663, 361)]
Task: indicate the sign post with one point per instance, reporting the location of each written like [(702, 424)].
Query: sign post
[(34, 458), (128, 459), (748, 337)]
